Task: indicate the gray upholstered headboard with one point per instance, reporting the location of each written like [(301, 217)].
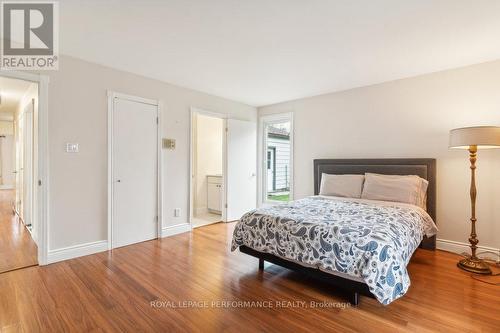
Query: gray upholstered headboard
[(422, 167)]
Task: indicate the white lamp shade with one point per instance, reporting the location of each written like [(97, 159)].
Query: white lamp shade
[(480, 136)]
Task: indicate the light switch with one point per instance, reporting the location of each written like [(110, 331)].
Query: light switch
[(168, 143), (72, 147)]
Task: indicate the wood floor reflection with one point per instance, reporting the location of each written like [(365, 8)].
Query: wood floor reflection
[(17, 248)]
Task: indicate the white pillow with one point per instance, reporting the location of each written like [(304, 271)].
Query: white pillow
[(407, 189), (424, 184), (349, 186)]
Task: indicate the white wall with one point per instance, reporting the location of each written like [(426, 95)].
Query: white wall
[(410, 118), (209, 134), (78, 113)]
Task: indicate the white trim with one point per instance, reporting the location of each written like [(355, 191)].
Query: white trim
[(7, 187), (191, 168), (175, 229), (459, 247), (26, 76), (195, 111), (132, 98), (76, 251), (225, 161), (110, 169), (159, 171), (261, 148), (42, 222), (159, 192)]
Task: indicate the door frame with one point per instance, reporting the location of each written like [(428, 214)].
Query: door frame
[(197, 111), (41, 215), (159, 188), (262, 147)]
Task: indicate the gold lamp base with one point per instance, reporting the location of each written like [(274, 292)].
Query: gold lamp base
[(474, 265)]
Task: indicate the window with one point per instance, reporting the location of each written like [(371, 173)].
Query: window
[(276, 175)]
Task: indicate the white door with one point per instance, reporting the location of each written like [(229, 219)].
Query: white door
[(27, 198), (134, 170), (241, 195), (19, 165), (24, 164)]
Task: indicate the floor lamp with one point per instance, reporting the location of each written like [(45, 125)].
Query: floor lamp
[(474, 138)]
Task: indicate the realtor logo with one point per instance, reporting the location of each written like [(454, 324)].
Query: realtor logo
[(29, 35)]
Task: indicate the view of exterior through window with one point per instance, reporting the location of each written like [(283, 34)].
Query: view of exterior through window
[(278, 161)]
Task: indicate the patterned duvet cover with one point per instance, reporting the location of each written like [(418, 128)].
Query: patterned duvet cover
[(370, 241)]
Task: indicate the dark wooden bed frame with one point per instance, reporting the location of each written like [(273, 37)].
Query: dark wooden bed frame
[(423, 167)]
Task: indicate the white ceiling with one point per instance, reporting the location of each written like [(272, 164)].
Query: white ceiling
[(11, 91), (262, 52)]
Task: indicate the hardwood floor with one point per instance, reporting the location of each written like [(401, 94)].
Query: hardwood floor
[(17, 248), (114, 291)]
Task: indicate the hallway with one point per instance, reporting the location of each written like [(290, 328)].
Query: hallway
[(17, 248)]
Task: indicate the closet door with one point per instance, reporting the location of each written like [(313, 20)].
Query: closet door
[(18, 204), (135, 175), (27, 171)]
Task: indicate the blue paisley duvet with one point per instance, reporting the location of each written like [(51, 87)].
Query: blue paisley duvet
[(369, 241)]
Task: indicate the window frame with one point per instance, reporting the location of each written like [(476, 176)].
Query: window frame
[(264, 121)]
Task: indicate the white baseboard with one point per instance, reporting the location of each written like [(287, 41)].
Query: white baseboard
[(6, 187), (81, 250), (175, 229), (459, 247), (76, 251)]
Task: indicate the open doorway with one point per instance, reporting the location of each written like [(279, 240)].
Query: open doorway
[(18, 171), (208, 169), (276, 158), (223, 183)]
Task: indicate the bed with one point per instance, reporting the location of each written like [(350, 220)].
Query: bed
[(359, 246)]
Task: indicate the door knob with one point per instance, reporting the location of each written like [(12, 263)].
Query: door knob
[(118, 181)]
